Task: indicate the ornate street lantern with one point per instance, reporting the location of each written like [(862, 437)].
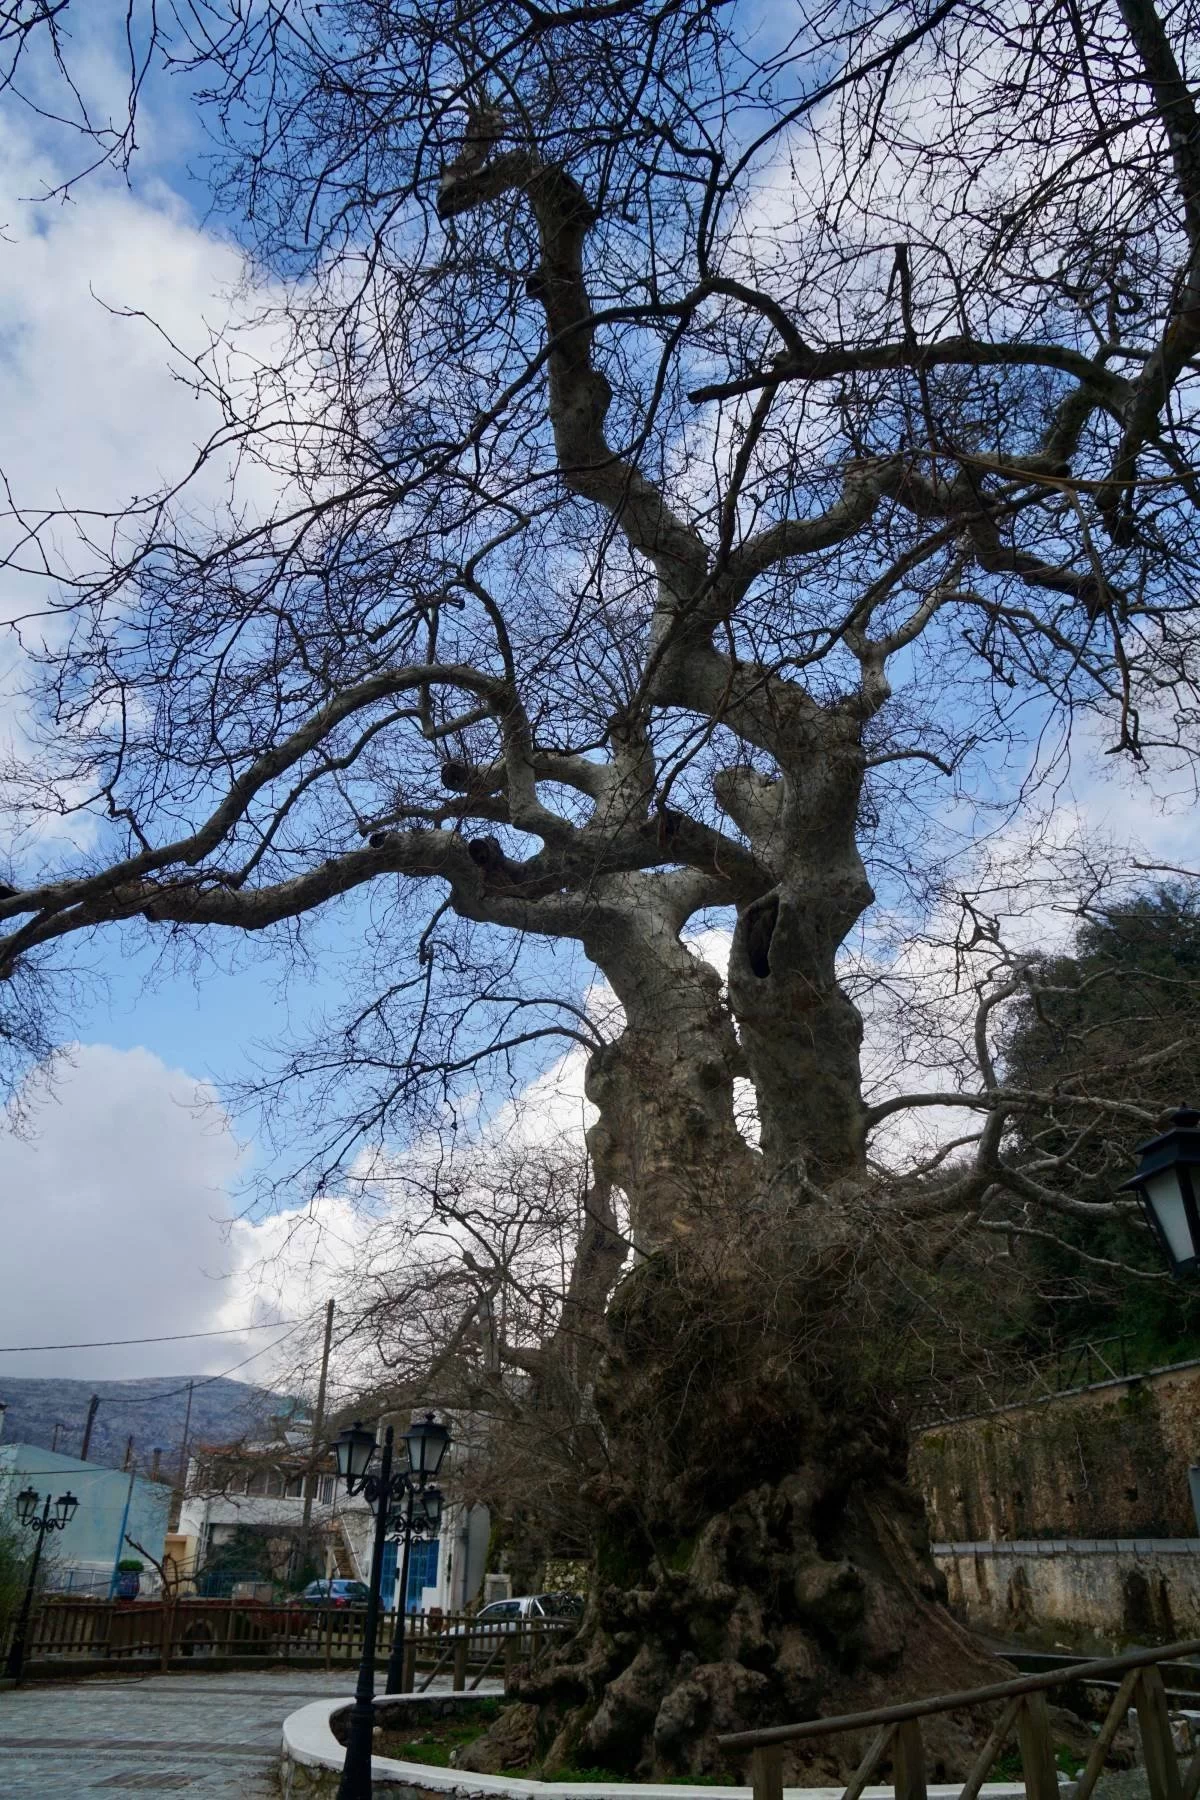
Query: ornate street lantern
[(427, 1515), (425, 1440), (35, 1514), (1167, 1182), (354, 1447)]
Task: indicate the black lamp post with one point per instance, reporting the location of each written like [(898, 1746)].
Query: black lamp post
[(354, 1449), (1167, 1182), (27, 1514)]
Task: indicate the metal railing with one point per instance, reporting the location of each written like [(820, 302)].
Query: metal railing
[(1070, 1370), (1023, 1711), (66, 1633)]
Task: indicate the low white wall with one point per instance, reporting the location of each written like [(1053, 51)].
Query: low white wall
[(311, 1761)]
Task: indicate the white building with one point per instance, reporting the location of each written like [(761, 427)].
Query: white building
[(261, 1485)]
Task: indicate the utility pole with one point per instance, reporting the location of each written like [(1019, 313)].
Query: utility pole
[(183, 1449), (179, 1490), (114, 1577), (318, 1427), (93, 1403), (128, 1452)]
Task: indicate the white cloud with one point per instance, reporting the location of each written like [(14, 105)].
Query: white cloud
[(1096, 842), (92, 413), (114, 1209)]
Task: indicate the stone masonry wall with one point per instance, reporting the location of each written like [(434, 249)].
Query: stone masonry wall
[(1107, 1462), (1089, 1596)]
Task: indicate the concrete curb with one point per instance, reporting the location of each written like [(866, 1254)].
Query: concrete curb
[(311, 1761)]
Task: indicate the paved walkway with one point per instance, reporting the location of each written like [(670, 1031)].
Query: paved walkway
[(211, 1737)]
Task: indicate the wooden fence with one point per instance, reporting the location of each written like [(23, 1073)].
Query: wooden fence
[(70, 1633), (1022, 1711)]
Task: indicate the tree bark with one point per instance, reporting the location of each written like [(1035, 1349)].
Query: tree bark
[(664, 1089), (761, 1556), (800, 1033)]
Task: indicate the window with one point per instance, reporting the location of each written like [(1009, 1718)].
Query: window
[(266, 1482), (295, 1488), (500, 1609), (325, 1491)]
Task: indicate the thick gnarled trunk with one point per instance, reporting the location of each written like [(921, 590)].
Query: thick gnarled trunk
[(760, 1555)]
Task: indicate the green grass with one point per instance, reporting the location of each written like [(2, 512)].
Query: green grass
[(430, 1747), (1008, 1767), (567, 1773)]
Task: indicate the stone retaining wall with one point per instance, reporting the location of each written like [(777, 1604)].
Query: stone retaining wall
[(1106, 1461), (1102, 1592)]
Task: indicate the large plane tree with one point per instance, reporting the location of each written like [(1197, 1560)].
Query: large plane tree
[(699, 452)]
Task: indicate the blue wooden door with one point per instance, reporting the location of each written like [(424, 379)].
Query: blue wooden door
[(387, 1575), (422, 1572)]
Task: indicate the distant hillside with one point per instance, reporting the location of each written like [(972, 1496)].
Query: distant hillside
[(151, 1409)]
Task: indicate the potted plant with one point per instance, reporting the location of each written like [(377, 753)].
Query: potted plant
[(129, 1572)]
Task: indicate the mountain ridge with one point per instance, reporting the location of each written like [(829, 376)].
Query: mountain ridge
[(149, 1408)]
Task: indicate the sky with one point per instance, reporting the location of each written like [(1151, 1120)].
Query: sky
[(122, 1197)]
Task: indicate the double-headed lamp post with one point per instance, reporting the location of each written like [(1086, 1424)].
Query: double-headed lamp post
[(425, 1443), (40, 1524), (1167, 1182)]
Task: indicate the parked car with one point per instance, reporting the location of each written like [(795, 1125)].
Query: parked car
[(513, 1615), (338, 1592)]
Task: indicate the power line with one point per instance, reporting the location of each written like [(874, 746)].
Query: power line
[(177, 1337), (145, 1399)]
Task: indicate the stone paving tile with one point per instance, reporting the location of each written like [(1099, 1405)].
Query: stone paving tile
[(214, 1738)]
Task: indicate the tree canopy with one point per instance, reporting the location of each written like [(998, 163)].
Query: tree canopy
[(683, 478), (1117, 1019)]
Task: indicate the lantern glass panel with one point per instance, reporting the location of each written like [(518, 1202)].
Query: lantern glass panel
[(432, 1500), (66, 1506), (1164, 1196), (27, 1501), (354, 1447)]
